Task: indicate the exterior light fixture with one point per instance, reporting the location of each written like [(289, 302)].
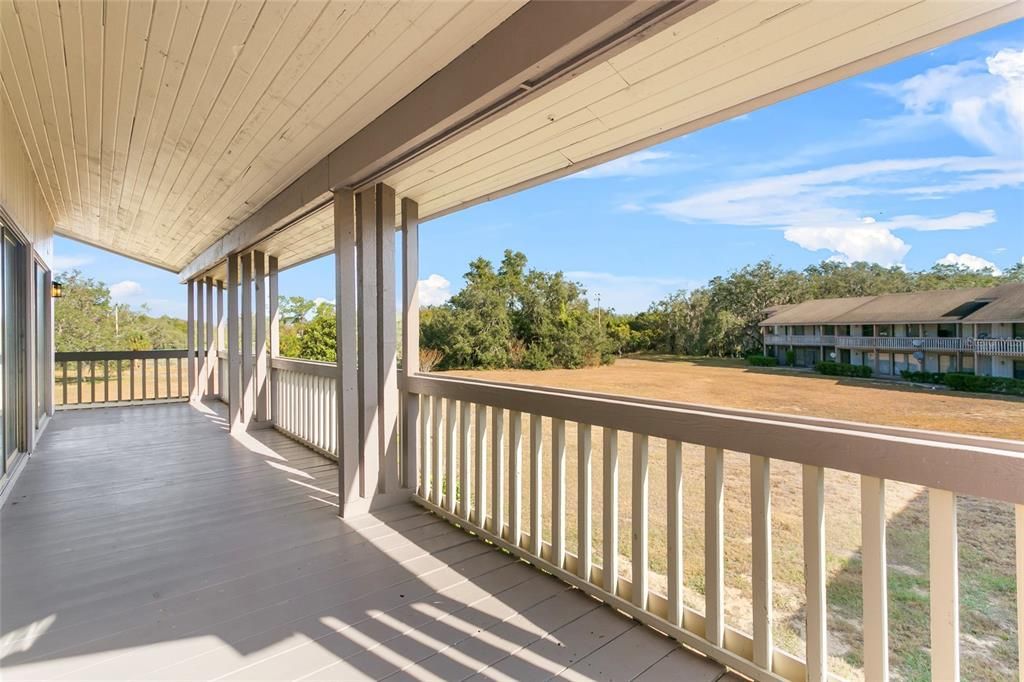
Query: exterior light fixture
[(57, 289)]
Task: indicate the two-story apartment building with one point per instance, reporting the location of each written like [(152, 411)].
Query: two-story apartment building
[(978, 330)]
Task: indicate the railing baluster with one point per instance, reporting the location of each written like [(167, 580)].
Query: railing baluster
[(156, 378), (425, 447), (465, 411), (714, 586), (639, 534), (536, 482), (106, 382), (449, 452), (497, 467), (167, 377), (558, 492), (1020, 590), (435, 440), (515, 477), (761, 558), (92, 381), (64, 382), (142, 363), (873, 573), (131, 378), (944, 585), (481, 466), (611, 510), (674, 478), (814, 571), (584, 549), (177, 379), (78, 380)]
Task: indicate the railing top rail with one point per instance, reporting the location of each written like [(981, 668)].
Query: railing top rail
[(314, 367), (120, 355), (984, 467)]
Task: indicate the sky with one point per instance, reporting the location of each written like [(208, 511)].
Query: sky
[(916, 163)]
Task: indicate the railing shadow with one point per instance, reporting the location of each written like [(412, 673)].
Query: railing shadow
[(205, 555)]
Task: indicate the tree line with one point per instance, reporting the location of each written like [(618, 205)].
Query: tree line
[(85, 318), (514, 316)]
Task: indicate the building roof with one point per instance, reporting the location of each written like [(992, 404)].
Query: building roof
[(1007, 306), (1004, 303)]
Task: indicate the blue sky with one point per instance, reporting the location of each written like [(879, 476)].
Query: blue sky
[(918, 162)]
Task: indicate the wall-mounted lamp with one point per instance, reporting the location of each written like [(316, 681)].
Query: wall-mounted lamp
[(56, 289)]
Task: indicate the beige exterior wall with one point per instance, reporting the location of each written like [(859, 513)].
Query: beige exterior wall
[(25, 207)]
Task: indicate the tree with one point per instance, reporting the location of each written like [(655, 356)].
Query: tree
[(515, 317)]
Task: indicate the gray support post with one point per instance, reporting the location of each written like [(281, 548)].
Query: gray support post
[(346, 321), (410, 338), (218, 340), (200, 339), (369, 413), (234, 357), (274, 331), (387, 361), (260, 368), (211, 352), (190, 343), (247, 387)]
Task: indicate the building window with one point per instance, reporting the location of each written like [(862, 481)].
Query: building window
[(967, 364), (913, 330), (1018, 369), (842, 330), (828, 330), (947, 331), (1017, 332), (798, 330), (946, 363)]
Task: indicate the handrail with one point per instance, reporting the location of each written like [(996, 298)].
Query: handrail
[(314, 367), (461, 421), (104, 378), (990, 468)]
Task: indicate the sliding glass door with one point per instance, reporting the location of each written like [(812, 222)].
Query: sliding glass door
[(12, 347), (41, 313)]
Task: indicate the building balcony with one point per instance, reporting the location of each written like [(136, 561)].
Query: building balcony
[(157, 542), (799, 340)]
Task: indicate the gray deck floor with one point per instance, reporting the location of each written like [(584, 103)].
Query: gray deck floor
[(146, 543)]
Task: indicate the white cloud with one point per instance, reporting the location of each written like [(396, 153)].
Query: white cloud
[(125, 290), (627, 293), (823, 209), (434, 290), (68, 262), (874, 244), (981, 100), (631, 207), (641, 164), (967, 260)]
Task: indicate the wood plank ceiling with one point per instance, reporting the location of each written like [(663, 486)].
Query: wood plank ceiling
[(156, 126), (732, 54)]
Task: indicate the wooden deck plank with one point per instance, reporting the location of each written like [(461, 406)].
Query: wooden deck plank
[(146, 542)]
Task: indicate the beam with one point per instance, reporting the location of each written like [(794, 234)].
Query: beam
[(345, 346), (211, 351), (234, 357), (260, 367), (498, 73), (387, 360), (410, 337), (274, 331), (190, 340), (369, 394), (246, 337)]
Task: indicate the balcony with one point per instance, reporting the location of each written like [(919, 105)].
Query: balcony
[(1014, 347), (799, 339), (184, 552), (193, 550), (904, 343)]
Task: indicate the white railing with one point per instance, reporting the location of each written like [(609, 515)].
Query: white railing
[(304, 402), (472, 470), (1000, 346), (799, 339), (910, 343)]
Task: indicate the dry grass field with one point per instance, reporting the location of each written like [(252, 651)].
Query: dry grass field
[(988, 621)]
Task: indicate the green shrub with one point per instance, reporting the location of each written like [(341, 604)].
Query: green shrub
[(791, 357), (923, 377), (983, 384), (762, 360), (843, 369)]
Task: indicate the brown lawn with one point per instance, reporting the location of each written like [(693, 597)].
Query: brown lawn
[(987, 597)]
